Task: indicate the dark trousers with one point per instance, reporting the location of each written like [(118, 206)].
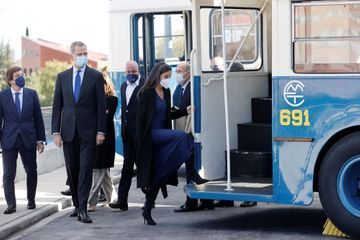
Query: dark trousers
[(128, 168), (28, 158), (190, 169), (79, 155)]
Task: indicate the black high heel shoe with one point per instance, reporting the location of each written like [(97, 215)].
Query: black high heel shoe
[(195, 177), (192, 174), (147, 217)]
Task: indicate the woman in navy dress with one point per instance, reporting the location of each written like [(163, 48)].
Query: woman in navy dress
[(160, 151)]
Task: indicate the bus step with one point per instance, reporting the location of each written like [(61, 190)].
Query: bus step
[(261, 110), (254, 137), (250, 164), (242, 191)]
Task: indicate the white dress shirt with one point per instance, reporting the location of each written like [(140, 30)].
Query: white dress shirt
[(130, 89), (20, 96)]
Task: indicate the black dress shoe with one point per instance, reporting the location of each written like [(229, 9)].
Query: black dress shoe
[(75, 213), (66, 192), (10, 209), (118, 204), (248, 204), (206, 205), (186, 208), (224, 203), (84, 217), (31, 205)]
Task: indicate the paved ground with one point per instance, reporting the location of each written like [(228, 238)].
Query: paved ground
[(266, 221), (48, 200), (50, 220)]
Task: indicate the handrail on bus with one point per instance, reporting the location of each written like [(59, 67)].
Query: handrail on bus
[(240, 46), (225, 75), (226, 105), (192, 62)]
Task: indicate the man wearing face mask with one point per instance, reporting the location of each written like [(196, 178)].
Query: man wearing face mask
[(79, 124), (182, 99), (129, 89), (22, 131)]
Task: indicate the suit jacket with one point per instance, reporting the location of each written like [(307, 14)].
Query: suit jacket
[(128, 111), (183, 123), (185, 100), (88, 115), (29, 124), (145, 113)]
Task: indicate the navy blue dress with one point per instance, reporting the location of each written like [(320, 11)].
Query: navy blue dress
[(171, 148)]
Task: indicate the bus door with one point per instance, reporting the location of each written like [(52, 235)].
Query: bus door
[(248, 97), (161, 37)]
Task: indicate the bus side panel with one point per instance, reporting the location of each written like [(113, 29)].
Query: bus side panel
[(290, 181), (307, 112), (118, 78)]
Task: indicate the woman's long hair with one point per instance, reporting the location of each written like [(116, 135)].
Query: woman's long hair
[(154, 76), (108, 85)]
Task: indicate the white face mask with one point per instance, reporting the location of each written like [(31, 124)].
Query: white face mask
[(165, 82), (81, 61), (180, 78)]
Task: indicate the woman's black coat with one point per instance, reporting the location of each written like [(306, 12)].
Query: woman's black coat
[(105, 153), (145, 113)]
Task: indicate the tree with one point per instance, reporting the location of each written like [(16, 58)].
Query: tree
[(5, 62), (44, 81)]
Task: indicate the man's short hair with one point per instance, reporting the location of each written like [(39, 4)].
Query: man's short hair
[(10, 73), (76, 43)]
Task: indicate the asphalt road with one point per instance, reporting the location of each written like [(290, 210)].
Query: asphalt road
[(265, 221)]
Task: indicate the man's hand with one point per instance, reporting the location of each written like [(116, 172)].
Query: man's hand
[(40, 147), (57, 140), (100, 138)]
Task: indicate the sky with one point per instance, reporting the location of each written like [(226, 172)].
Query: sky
[(60, 21)]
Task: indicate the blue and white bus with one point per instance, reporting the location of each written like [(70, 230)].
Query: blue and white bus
[(283, 127)]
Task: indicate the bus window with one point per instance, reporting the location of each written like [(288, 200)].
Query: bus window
[(326, 38), (138, 48), (237, 25), (169, 38)]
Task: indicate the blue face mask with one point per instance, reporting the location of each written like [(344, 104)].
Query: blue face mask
[(132, 77), (20, 81), (81, 61)]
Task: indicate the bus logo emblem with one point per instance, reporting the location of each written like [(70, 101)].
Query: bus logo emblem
[(293, 93)]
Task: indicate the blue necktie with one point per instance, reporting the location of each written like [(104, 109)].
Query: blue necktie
[(77, 85), (17, 103)]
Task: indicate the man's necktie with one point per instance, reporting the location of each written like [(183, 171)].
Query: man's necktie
[(181, 95), (77, 85), (17, 103)]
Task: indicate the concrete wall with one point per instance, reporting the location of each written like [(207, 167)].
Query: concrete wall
[(52, 158)]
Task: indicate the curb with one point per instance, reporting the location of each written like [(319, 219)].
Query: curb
[(33, 217)]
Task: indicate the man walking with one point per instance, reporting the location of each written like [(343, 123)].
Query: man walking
[(22, 131), (79, 124), (181, 99), (129, 90)]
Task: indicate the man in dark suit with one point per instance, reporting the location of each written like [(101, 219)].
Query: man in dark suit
[(79, 124), (22, 131), (181, 100), (129, 89)]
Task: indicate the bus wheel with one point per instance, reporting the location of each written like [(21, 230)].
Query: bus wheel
[(339, 184)]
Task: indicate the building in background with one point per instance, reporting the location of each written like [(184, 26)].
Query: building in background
[(36, 52)]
